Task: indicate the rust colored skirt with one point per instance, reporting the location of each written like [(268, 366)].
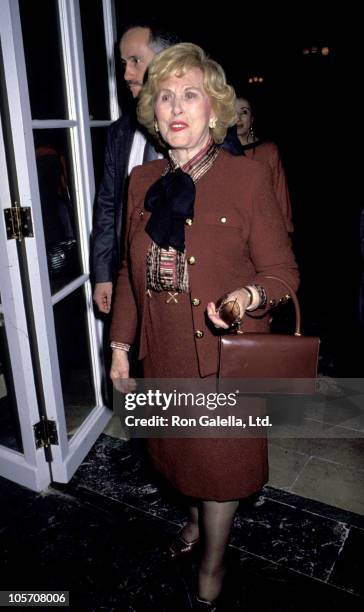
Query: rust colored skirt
[(218, 469)]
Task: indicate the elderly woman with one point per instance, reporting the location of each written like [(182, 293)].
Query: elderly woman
[(201, 224)]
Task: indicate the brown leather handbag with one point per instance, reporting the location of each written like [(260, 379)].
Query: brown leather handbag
[(284, 364)]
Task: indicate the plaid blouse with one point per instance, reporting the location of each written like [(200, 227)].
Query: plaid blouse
[(167, 268)]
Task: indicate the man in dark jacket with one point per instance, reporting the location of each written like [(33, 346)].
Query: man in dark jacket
[(127, 146)]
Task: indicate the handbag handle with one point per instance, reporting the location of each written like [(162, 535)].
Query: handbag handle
[(295, 303)]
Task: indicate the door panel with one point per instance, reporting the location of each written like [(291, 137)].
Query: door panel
[(20, 461), (53, 153), (75, 364), (52, 337), (95, 59), (43, 59)]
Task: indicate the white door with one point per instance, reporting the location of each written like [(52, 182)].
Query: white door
[(52, 342), (20, 460)]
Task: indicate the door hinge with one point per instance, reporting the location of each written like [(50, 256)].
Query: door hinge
[(45, 433), (18, 222)]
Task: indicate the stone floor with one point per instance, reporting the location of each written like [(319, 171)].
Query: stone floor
[(104, 536)]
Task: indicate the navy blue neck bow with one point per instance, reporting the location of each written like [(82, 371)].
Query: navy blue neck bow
[(171, 201)]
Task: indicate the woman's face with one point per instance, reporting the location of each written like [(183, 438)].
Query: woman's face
[(183, 110), (245, 117)]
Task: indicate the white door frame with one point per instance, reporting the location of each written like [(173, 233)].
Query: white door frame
[(68, 454), (29, 468)]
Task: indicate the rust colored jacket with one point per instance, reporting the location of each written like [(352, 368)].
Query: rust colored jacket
[(268, 152), (237, 237)]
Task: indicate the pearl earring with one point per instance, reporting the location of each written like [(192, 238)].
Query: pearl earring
[(212, 122), (156, 126)]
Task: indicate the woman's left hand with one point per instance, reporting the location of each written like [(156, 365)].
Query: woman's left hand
[(242, 298)]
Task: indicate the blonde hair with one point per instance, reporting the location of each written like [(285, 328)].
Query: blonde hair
[(177, 60)]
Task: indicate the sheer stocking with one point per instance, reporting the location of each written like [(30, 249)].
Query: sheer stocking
[(191, 530), (216, 521)]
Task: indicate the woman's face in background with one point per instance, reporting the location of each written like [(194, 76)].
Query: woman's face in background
[(245, 117)]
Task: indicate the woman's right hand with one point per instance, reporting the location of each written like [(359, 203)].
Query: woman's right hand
[(119, 372), (242, 299)]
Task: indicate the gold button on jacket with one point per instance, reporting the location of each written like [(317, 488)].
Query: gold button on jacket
[(191, 260), (223, 219), (188, 222), (199, 333), (196, 301)]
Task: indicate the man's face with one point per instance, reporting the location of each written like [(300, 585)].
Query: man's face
[(136, 56)]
